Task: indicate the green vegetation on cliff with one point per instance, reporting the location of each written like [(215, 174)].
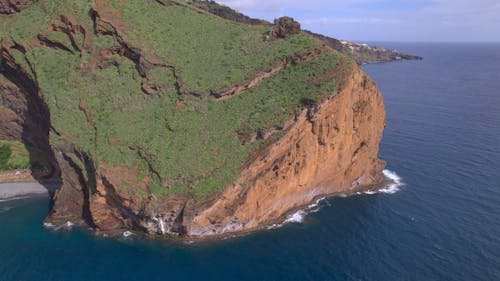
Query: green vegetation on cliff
[(17, 156), (38, 17), (138, 91), (209, 53)]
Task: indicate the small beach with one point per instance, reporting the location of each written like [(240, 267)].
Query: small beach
[(15, 190)]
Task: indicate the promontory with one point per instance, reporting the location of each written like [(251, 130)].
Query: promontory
[(183, 118)]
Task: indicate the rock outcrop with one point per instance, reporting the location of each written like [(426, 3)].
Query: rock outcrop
[(283, 27)]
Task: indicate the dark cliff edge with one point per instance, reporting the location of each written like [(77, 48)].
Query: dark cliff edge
[(142, 141)]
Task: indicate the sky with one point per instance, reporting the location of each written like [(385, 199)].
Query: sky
[(386, 20)]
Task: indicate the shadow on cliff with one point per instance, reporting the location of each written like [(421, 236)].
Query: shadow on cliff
[(35, 125), (35, 133)]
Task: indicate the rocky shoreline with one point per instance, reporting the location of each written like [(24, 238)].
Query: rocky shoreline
[(283, 220), (18, 190)]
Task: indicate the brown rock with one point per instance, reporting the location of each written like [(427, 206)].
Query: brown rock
[(284, 27), (11, 123), (334, 151), (69, 200)]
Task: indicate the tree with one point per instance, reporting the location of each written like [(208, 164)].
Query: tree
[(5, 153)]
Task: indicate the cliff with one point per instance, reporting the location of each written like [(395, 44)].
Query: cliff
[(164, 118), (331, 148)]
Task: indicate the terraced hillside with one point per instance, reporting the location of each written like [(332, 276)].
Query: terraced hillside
[(154, 110)]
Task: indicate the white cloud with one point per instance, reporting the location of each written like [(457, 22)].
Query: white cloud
[(327, 21), (408, 20), (273, 6), (240, 4)]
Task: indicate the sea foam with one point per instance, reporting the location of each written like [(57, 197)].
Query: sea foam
[(298, 217), (396, 182), (66, 226)]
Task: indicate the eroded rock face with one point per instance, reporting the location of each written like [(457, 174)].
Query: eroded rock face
[(331, 148), (12, 104), (23, 116), (14, 6)]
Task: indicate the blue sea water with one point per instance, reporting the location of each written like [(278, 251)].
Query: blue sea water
[(442, 139)]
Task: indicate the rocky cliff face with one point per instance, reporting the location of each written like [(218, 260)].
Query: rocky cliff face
[(330, 148), (319, 120), (23, 115)]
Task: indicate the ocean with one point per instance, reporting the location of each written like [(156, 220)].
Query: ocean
[(442, 142)]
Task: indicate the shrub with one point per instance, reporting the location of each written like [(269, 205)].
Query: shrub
[(5, 153)]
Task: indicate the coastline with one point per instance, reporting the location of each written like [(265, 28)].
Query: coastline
[(285, 219), (371, 189), (19, 190)]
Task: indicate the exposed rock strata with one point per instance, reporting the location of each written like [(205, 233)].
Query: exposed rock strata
[(331, 149)]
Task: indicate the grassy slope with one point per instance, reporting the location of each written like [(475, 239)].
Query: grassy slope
[(191, 142), (209, 53), (38, 17)]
